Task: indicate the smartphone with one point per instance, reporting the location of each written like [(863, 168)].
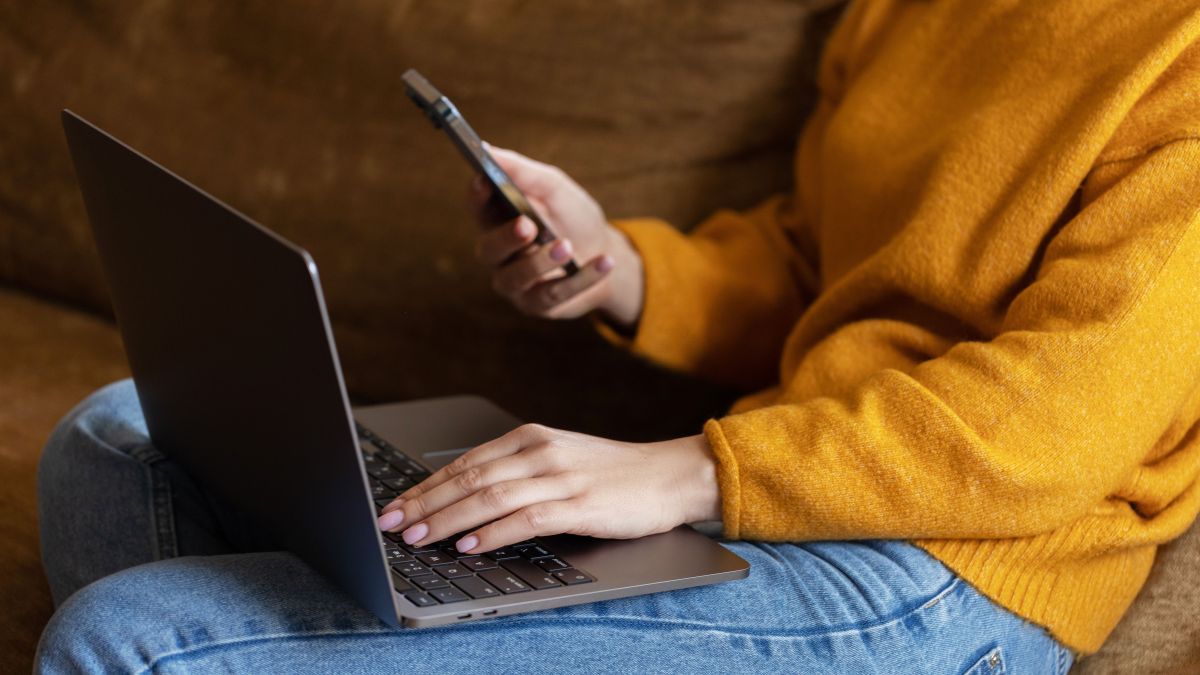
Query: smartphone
[(508, 202)]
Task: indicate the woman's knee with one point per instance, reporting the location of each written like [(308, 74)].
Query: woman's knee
[(140, 618), (108, 625), (110, 418)]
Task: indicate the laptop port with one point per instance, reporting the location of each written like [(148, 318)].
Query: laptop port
[(465, 616), (490, 612)]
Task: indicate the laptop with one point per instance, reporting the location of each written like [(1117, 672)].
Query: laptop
[(228, 339)]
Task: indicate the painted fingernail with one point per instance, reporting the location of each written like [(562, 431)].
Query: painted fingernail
[(525, 228), (415, 533), (467, 543), (391, 520), (604, 264), (561, 251)]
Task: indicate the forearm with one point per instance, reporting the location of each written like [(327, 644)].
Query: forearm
[(718, 303)]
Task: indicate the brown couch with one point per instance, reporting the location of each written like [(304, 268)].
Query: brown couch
[(293, 113)]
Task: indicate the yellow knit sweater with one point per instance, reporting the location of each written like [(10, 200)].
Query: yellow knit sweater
[(976, 322)]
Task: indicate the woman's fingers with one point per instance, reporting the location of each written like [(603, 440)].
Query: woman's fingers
[(478, 194), (457, 488), (497, 244), (526, 271), (493, 502), (551, 298), (538, 519), (534, 178), (526, 434)]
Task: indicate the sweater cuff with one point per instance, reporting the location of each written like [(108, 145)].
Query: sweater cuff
[(661, 333), (727, 479)]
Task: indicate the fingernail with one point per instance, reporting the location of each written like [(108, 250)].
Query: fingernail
[(604, 264), (467, 543), (561, 251), (415, 533), (391, 520), (525, 228)]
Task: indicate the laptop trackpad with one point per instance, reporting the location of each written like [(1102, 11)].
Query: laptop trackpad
[(436, 430), (436, 459)]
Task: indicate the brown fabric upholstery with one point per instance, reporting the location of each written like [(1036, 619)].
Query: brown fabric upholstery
[(50, 358), (1161, 632), (293, 113)]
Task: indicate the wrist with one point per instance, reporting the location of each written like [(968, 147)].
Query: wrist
[(699, 491), (623, 307)]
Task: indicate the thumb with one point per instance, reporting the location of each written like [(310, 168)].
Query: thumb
[(534, 178)]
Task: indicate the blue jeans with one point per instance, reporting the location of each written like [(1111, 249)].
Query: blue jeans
[(150, 574)]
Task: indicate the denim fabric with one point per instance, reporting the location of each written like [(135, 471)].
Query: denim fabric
[(151, 575)]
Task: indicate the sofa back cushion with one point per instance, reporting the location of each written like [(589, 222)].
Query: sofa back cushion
[(294, 113)]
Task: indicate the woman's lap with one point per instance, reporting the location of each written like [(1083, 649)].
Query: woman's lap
[(871, 606)]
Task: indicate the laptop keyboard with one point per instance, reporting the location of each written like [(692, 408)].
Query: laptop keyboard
[(437, 573)]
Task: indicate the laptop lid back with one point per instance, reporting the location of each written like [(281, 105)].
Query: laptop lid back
[(228, 339)]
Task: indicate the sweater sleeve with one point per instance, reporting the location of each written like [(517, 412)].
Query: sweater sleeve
[(720, 301), (1017, 435)]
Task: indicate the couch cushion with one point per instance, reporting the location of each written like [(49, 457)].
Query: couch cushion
[(53, 357), (1161, 633), (294, 113)]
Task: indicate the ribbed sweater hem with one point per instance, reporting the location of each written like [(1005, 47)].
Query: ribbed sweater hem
[(1079, 600)]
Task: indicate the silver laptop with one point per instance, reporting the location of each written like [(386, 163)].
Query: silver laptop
[(229, 343)]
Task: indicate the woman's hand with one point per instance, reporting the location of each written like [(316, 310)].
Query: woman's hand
[(610, 276), (536, 481)]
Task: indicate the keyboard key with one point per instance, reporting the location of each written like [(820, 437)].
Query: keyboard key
[(399, 583), (455, 553), (506, 581), (380, 503), (531, 574), (552, 564), (386, 449), (418, 470), (478, 563), (427, 548), (448, 595), (435, 558), (429, 582), (411, 569), (476, 587), (420, 599), (380, 491), (380, 470), (572, 577), (502, 553), (398, 556), (534, 552), (399, 483), (406, 466), (453, 571)]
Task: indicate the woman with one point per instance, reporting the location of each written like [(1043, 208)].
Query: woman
[(971, 345)]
